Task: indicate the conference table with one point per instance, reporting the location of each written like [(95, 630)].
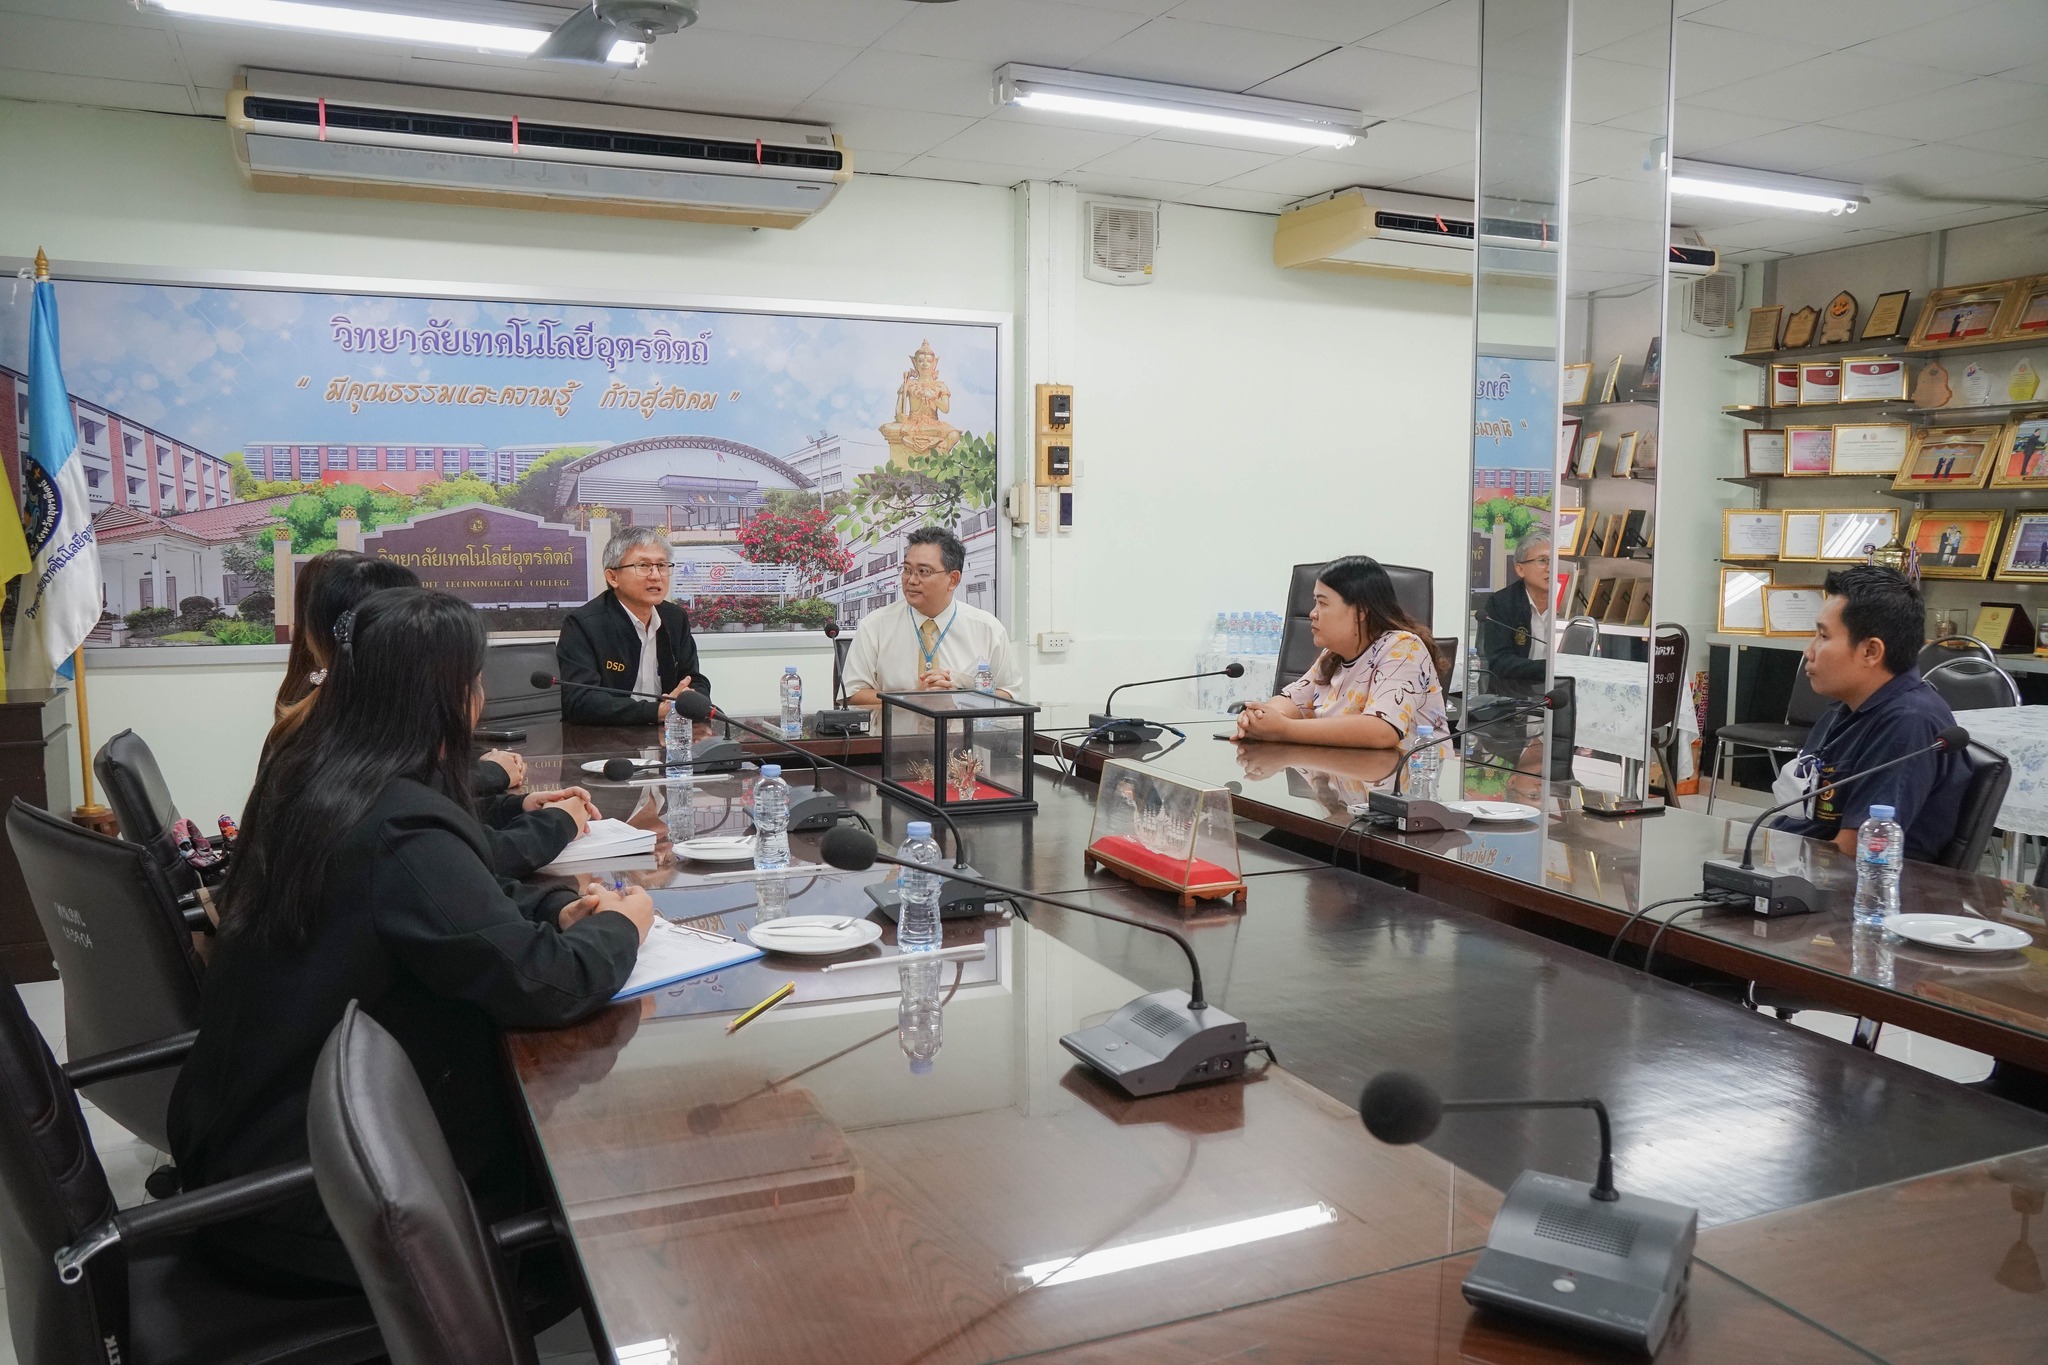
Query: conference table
[(794, 1191)]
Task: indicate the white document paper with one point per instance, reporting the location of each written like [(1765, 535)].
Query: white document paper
[(673, 953), (606, 838)]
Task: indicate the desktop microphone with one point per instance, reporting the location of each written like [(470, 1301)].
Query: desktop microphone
[(1787, 893), (1111, 729), (1412, 815), (718, 755), (1157, 1043), (1582, 1257), (841, 719)]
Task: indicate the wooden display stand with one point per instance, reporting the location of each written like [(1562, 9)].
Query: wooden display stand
[(1130, 871)]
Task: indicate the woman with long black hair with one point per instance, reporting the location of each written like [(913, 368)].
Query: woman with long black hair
[(362, 874), (1375, 680)]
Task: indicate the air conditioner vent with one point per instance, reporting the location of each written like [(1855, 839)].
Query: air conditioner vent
[(1122, 241), (1434, 225)]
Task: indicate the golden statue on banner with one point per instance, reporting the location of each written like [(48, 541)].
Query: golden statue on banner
[(920, 399)]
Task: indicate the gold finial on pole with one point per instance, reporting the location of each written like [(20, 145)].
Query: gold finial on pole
[(42, 264), (91, 814)]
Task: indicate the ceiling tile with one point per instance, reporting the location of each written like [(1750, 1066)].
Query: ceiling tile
[(1709, 57), (709, 69), (1700, 129), (1179, 162), (1460, 112), (1596, 23), (1025, 144), (971, 172), (1037, 31), (855, 23), (2018, 139), (1296, 177), (1599, 150), (1454, 183), (1930, 166), (1448, 33), (1944, 112), (151, 96), (1134, 187), (1243, 201), (1832, 24), (1336, 21), (2025, 183), (1148, 8), (1603, 90), (1982, 42), (1383, 84), (866, 128), (75, 47), (1805, 148), (2036, 74), (907, 80), (879, 163), (1410, 148), (1212, 56), (1833, 88)]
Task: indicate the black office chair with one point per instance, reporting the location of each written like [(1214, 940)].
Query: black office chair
[(1779, 739), (1977, 818), (509, 693), (1670, 648), (89, 1284), (432, 1272), (1415, 589), (1581, 636), (124, 953), (141, 799), (1933, 656), (1968, 683)]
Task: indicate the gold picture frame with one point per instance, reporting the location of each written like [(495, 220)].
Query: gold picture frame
[(1873, 379), (2022, 458), (1966, 315), (1958, 458), (1782, 387), (1763, 452), (1625, 453), (1791, 609), (2025, 556), (2030, 313), (1587, 460), (1752, 532), (1568, 528), (1809, 452), (1820, 383), (1578, 379), (1956, 542), (1801, 542), (1610, 387), (1764, 326), (1872, 448), (1848, 534), (1740, 609)]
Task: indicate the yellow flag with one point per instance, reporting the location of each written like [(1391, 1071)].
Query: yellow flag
[(14, 558)]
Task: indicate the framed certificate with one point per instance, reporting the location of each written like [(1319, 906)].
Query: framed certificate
[(1577, 380), (2023, 454), (1820, 381), (1610, 388), (2026, 551), (1589, 455), (1784, 386), (1887, 316), (1747, 534), (1741, 610), (1809, 451), (1625, 453), (1966, 315), (1853, 534), (1791, 611), (2030, 318), (1873, 379), (1950, 457), (1568, 530), (1763, 329), (1871, 447), (1763, 452), (1802, 534), (1955, 542), (1568, 443)]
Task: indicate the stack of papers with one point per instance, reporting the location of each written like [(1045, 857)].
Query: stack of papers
[(673, 953), (606, 839)]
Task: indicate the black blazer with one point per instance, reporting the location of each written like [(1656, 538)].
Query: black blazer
[(522, 841), (1504, 636), (601, 648), (440, 951)]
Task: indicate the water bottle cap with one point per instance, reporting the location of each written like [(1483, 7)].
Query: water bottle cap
[(771, 770), (920, 829), (1882, 812), (920, 1066), (789, 668), (1425, 732), (981, 663)]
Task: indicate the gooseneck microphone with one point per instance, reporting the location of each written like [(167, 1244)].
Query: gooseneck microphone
[(1586, 1258), (1788, 893), (840, 719), (1412, 815), (1158, 1042), (718, 755), (543, 680), (1112, 729)]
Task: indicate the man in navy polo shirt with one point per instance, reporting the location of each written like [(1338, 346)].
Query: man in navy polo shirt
[(1862, 657)]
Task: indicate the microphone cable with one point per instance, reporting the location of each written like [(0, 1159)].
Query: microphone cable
[(1669, 920), (1694, 900)]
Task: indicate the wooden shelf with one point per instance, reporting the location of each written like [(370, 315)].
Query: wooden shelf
[(1763, 480), (1893, 349), (1946, 417)]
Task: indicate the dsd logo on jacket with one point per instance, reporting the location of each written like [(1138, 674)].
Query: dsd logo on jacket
[(614, 666)]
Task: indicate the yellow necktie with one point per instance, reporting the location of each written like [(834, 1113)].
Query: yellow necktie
[(928, 633)]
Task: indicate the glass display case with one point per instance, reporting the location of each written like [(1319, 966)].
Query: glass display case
[(969, 752), (1163, 831)]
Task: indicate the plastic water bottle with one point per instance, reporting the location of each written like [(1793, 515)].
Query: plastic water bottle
[(1880, 853), (984, 678), (919, 1015), (1219, 638), (792, 703), (1424, 764), (771, 896), (680, 814), (917, 920), (678, 739), (1272, 633), (771, 819)]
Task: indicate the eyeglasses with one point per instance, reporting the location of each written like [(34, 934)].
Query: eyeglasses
[(920, 572), (646, 566)]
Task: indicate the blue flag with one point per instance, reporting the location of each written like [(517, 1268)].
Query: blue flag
[(60, 595)]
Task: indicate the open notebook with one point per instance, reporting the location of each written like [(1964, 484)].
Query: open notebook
[(673, 953), (606, 838)]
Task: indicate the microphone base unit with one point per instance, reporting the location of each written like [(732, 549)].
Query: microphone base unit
[(716, 756), (1156, 1045), (1413, 815), (852, 721), (957, 899), (1120, 730), (1762, 890), (1614, 806), (1613, 1270), (811, 809)]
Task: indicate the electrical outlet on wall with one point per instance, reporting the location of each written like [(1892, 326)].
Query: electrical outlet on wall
[(1054, 642)]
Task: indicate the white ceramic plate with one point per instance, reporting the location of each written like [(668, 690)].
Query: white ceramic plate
[(1495, 812), (1946, 931), (723, 849), (808, 936)]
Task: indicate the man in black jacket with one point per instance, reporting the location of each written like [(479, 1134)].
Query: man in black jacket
[(629, 638), (1514, 625)]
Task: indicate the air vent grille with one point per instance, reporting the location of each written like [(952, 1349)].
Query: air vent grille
[(1122, 242), (1449, 228), (1157, 1020), (540, 136), (1587, 1226)]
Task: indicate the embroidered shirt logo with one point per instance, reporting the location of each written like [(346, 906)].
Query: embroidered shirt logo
[(614, 666)]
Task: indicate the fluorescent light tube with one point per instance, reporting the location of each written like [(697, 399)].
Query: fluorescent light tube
[(1766, 189), (381, 24), (1158, 105), (1174, 1246)]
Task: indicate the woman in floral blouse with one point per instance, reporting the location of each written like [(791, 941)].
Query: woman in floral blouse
[(1376, 680)]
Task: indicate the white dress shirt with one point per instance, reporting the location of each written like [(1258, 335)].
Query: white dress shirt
[(648, 679), (1539, 630), (888, 656)]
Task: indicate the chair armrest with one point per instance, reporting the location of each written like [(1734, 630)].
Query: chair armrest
[(524, 1230), (130, 1061), (186, 1212)]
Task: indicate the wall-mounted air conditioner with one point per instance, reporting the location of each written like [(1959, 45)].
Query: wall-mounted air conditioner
[(327, 135)]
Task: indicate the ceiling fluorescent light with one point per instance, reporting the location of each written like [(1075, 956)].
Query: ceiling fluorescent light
[(1152, 1251), (381, 24), (1766, 189), (1175, 106)]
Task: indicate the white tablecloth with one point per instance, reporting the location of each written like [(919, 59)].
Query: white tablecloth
[(1614, 705), (2021, 734)]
